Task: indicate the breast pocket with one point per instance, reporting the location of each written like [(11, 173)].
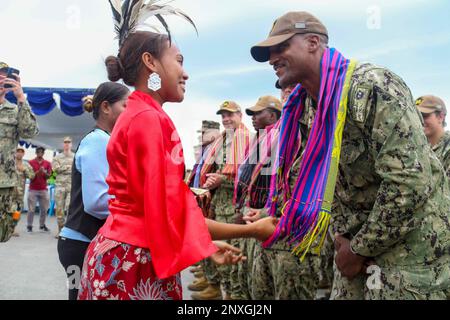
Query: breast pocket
[(8, 125)]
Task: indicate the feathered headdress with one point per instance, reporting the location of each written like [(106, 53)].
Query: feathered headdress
[(129, 14)]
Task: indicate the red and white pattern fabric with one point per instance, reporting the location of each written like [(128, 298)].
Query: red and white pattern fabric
[(119, 271)]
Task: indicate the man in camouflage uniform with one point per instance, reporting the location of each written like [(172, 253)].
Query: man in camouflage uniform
[(324, 263), (209, 283), (278, 274), (62, 166), (392, 205), (274, 273), (16, 121), (434, 112), (24, 172), (265, 113), (222, 202)]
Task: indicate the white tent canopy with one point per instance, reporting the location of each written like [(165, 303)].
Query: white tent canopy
[(54, 126)]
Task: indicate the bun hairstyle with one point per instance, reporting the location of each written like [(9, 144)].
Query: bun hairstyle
[(88, 104), (110, 92), (128, 64)]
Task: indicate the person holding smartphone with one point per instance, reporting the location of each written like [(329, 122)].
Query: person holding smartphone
[(16, 121)]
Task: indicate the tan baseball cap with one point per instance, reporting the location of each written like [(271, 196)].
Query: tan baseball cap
[(20, 148), (229, 106), (430, 104), (266, 102), (286, 27), (67, 139)]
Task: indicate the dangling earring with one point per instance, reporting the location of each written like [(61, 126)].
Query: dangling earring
[(154, 82)]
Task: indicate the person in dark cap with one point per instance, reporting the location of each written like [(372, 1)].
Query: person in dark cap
[(386, 199), (218, 174), (285, 91), (273, 273), (206, 285), (16, 121), (434, 112)]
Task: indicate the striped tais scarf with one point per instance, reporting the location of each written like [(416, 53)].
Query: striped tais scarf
[(193, 180), (234, 156), (307, 208), (253, 180)]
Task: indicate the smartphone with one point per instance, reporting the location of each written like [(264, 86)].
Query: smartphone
[(10, 75)]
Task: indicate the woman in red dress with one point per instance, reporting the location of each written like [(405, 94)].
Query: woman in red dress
[(155, 229)]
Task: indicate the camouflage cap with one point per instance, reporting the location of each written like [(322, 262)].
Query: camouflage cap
[(266, 102), (67, 139), (430, 104), (229, 106), (208, 125), (286, 27), (3, 66)]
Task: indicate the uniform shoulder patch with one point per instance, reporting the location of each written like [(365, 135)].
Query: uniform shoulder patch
[(358, 103)]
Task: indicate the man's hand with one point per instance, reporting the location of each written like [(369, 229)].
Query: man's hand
[(16, 87), (264, 228), (2, 82), (227, 254), (252, 216), (213, 182), (238, 217), (348, 263), (43, 171)]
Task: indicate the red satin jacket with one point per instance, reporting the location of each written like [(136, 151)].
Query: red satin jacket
[(151, 205)]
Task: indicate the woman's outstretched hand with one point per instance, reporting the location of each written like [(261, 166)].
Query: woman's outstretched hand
[(227, 254)]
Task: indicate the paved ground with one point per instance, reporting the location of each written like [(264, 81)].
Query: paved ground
[(30, 268)]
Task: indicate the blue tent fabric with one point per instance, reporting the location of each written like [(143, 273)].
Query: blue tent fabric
[(71, 103), (26, 144), (42, 102)]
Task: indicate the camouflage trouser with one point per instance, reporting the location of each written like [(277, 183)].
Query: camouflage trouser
[(279, 275), (211, 272), (7, 224), (225, 271), (238, 288), (403, 283), (241, 275), (62, 202), (325, 267), (17, 200)]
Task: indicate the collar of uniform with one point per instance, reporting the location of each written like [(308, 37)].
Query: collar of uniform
[(308, 108), (444, 138), (8, 105)]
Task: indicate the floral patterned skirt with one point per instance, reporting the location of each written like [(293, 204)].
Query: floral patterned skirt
[(119, 271)]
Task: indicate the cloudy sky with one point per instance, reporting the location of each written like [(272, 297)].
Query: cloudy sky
[(63, 44)]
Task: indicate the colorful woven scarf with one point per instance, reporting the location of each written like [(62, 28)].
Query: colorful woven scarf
[(252, 182), (307, 208), (234, 156), (193, 180)]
